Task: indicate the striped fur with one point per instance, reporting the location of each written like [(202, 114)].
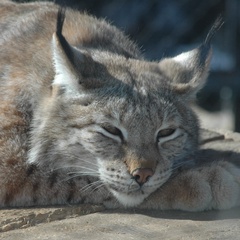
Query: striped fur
[(82, 111)]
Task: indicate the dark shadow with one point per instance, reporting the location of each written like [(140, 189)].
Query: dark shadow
[(183, 215)]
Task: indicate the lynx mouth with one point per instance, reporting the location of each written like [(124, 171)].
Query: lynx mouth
[(131, 199)]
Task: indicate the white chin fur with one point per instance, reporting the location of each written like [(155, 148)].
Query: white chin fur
[(128, 200)]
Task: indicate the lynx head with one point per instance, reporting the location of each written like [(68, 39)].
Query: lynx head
[(123, 120)]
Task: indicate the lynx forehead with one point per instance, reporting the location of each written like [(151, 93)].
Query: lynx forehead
[(85, 119)]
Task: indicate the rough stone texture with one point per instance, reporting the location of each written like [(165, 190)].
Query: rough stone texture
[(22, 218), (67, 223), (109, 225)]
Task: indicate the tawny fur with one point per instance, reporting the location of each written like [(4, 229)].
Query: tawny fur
[(81, 110)]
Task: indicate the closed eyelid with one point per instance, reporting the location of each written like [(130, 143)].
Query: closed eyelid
[(174, 132), (115, 127), (113, 130)]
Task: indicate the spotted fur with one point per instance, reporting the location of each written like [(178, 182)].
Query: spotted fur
[(85, 119)]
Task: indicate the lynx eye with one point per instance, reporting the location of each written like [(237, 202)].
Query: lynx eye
[(165, 133), (113, 130)]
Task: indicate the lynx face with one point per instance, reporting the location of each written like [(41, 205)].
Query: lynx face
[(121, 120), (113, 136)]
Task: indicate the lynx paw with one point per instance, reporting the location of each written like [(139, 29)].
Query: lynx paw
[(215, 186), (224, 179), (212, 187)]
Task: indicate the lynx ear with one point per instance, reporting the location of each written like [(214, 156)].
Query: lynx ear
[(69, 62), (188, 71)]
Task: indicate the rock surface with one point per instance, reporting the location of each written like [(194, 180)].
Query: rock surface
[(94, 222), (137, 225), (22, 218)]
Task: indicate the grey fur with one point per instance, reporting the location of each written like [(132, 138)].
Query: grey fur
[(82, 111)]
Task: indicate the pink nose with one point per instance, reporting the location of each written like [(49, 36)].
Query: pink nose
[(141, 175)]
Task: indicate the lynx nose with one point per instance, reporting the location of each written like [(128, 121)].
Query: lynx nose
[(141, 175)]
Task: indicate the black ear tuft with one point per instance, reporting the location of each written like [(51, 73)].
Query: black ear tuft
[(62, 40), (215, 27), (205, 47), (60, 21)]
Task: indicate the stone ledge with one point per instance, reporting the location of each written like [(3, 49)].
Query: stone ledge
[(23, 218), (131, 224)]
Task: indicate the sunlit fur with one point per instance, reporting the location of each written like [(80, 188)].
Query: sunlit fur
[(81, 110)]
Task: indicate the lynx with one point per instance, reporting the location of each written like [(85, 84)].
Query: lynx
[(85, 119)]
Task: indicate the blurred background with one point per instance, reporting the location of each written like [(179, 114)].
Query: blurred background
[(166, 28)]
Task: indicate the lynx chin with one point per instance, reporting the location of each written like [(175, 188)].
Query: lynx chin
[(85, 119)]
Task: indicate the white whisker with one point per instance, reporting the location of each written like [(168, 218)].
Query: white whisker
[(75, 167), (180, 164), (91, 185), (72, 157), (79, 175), (97, 187)]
